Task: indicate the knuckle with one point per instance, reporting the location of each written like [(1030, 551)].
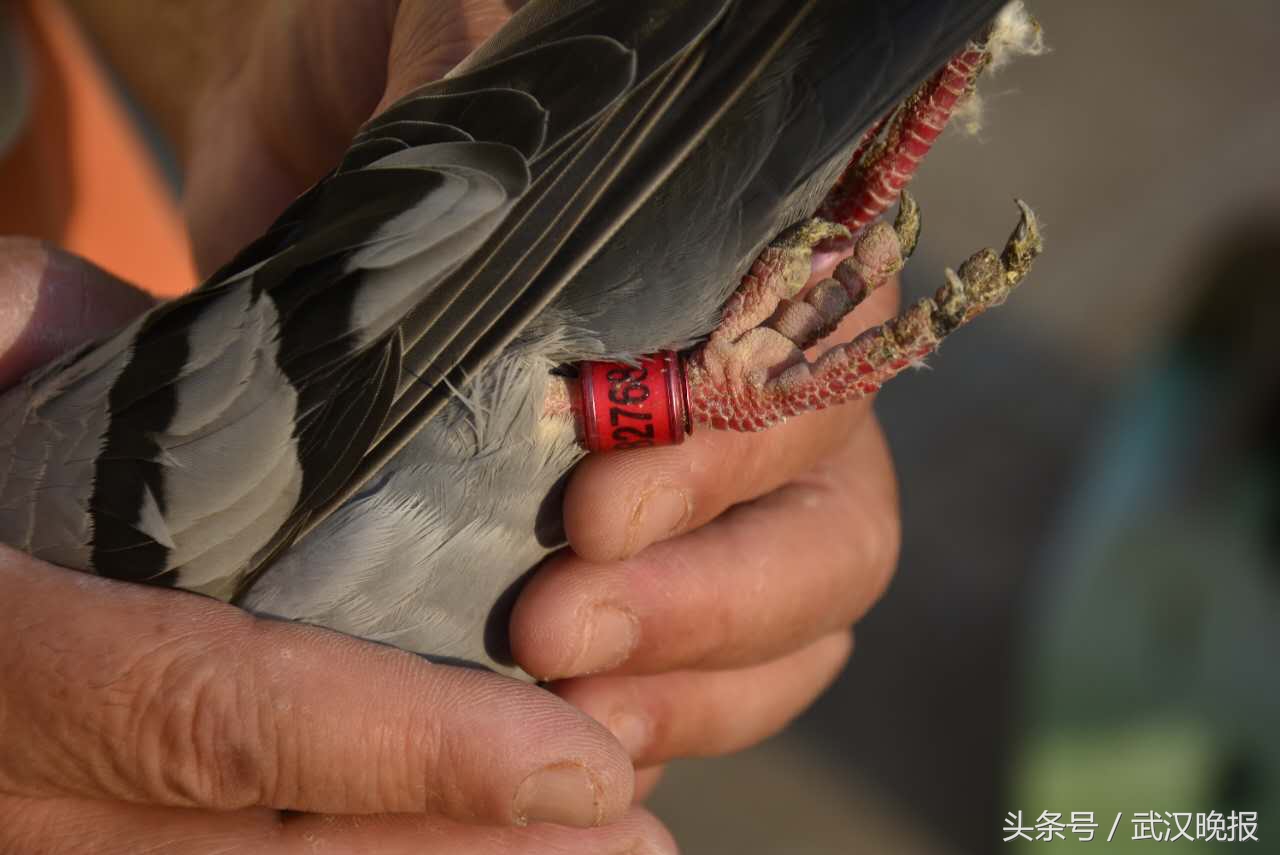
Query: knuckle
[(444, 752), (869, 553), (422, 764), (753, 617), (666, 730), (712, 613), (884, 545), (870, 526), (722, 470), (192, 724), (649, 834), (836, 649)]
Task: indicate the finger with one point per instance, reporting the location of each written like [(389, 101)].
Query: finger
[(429, 39), (636, 833), (312, 74), (617, 504), (111, 828), (278, 118), (51, 301), (693, 713), (764, 579), (647, 781), (141, 694)]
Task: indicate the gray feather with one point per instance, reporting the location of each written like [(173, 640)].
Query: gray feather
[(51, 429)]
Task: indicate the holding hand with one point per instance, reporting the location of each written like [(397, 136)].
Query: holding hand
[(135, 718), (708, 601), (750, 605), (712, 586)]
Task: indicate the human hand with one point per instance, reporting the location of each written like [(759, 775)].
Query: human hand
[(760, 598), (713, 584), (279, 117), (261, 99), (141, 719), (742, 622)]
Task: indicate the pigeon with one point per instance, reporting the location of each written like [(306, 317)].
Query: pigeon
[(360, 421)]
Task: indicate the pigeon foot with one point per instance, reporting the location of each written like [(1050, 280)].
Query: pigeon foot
[(755, 380)]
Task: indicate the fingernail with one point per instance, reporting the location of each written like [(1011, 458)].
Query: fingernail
[(610, 636), (632, 731), (565, 794), (659, 514)]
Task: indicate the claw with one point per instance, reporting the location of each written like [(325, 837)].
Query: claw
[(770, 378), (1024, 245), (985, 279), (752, 372), (808, 234), (907, 224), (876, 257)]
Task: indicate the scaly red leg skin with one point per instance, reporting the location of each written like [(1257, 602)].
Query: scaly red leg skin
[(851, 180), (888, 156), (790, 385), (878, 173)]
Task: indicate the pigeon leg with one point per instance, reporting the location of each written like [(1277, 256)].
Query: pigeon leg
[(775, 380), (752, 373), (891, 152)]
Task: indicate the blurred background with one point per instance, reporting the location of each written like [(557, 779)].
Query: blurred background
[(1087, 611)]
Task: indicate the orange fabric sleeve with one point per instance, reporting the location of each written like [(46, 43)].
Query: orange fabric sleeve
[(80, 175)]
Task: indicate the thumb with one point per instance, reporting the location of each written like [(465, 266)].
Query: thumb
[(51, 301), (132, 693), (429, 39)]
